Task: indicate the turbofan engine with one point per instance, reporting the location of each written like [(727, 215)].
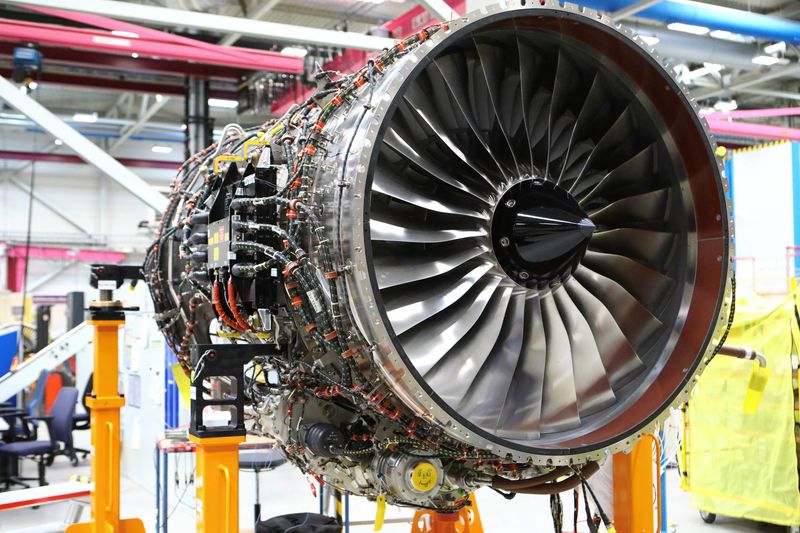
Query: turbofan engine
[(495, 253)]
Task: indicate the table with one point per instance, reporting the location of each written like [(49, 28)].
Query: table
[(171, 445)]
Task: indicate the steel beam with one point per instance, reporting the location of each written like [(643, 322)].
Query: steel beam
[(439, 9), (258, 14), (772, 93), (163, 16), (87, 150), (632, 9), (747, 80), (140, 123), (50, 207)]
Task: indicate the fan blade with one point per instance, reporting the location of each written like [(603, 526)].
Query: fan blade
[(397, 143), (619, 358), (426, 343), (449, 70), (523, 408), (591, 382), (387, 182), (529, 62), (414, 305), (638, 324), (649, 247), (386, 229), (452, 376), (492, 64), (487, 395), (646, 211), (398, 270), (559, 397), (629, 176), (645, 284)]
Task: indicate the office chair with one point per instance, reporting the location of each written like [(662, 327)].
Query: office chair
[(59, 428)]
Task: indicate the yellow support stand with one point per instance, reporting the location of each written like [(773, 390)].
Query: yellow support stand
[(105, 404), (217, 484)]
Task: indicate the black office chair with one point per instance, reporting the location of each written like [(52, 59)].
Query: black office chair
[(258, 461), (59, 428), (82, 421)]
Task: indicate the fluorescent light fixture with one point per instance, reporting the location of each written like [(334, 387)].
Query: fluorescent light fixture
[(652, 40), (128, 34), (726, 106), (776, 48), (707, 110), (135, 55), (223, 103), (294, 51), (58, 142), (769, 60), (85, 117), (730, 36), (161, 149), (688, 28), (713, 67)]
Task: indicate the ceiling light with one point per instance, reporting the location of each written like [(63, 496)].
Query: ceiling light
[(159, 97), (85, 117), (32, 85), (161, 149), (688, 28), (121, 33), (294, 51), (652, 40), (58, 142), (223, 103), (776, 48), (769, 60), (726, 106), (184, 127), (134, 55)]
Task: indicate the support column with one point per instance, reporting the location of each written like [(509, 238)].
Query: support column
[(217, 484), (199, 125)]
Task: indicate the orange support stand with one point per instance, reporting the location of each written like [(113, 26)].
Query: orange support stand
[(105, 404), (217, 484), (467, 520), (636, 487)]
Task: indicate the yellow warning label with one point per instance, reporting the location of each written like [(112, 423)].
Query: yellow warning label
[(424, 477), (216, 254)]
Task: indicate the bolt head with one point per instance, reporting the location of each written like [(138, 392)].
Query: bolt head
[(505, 241), (524, 275), (511, 202)]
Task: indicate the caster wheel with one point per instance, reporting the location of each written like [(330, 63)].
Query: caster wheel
[(74, 460), (708, 518), (49, 460)]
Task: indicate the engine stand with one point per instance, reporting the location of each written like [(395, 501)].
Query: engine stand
[(107, 316), (217, 368), (467, 520)]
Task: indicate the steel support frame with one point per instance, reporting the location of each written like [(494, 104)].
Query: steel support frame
[(632, 9), (746, 81), (144, 117), (87, 150), (163, 16)]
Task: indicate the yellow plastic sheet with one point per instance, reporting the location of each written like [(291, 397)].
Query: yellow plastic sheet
[(741, 455)]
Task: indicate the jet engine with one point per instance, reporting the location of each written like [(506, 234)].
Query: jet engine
[(494, 254)]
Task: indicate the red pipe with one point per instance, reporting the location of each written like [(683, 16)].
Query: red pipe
[(223, 315), (234, 308)]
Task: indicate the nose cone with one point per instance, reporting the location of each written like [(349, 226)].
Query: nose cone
[(544, 233)]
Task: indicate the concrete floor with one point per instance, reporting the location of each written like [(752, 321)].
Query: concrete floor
[(286, 490)]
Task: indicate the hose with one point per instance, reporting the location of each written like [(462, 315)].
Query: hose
[(223, 315), (234, 308), (502, 483), (569, 483)]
